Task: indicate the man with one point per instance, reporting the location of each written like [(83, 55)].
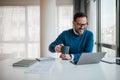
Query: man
[(79, 39)]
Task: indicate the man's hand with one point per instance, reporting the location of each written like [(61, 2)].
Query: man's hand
[(65, 56), (58, 48)]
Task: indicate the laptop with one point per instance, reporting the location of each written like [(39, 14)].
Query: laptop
[(24, 63), (90, 58)]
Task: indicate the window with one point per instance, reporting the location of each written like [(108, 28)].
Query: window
[(108, 21), (108, 26), (20, 31)]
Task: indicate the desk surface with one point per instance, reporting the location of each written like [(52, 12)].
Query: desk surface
[(63, 70)]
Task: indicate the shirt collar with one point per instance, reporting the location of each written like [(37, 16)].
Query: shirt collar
[(75, 31)]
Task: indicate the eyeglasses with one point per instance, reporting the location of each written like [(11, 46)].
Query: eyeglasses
[(78, 24)]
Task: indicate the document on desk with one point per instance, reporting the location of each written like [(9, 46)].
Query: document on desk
[(45, 65)]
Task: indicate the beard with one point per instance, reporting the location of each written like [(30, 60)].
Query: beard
[(80, 31)]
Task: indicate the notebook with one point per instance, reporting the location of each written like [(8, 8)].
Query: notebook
[(90, 58), (24, 63)]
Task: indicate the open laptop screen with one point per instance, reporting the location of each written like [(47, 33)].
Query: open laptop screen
[(90, 58)]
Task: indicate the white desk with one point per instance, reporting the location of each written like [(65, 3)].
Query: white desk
[(63, 70)]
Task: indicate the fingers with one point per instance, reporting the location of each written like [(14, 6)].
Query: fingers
[(61, 45), (65, 57), (68, 57), (58, 48)]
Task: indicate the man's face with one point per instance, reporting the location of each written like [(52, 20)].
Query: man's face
[(80, 25)]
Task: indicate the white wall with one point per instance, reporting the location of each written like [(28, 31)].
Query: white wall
[(91, 15), (48, 25), (91, 9)]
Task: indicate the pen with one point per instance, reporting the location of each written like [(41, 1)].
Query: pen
[(37, 59), (46, 59)]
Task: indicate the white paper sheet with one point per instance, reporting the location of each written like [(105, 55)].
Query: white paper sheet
[(46, 65)]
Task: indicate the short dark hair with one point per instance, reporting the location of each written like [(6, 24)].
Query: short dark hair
[(79, 14)]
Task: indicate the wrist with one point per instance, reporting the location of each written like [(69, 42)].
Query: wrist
[(55, 48), (72, 57)]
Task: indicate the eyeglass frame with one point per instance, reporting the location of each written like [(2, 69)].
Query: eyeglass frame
[(78, 24)]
